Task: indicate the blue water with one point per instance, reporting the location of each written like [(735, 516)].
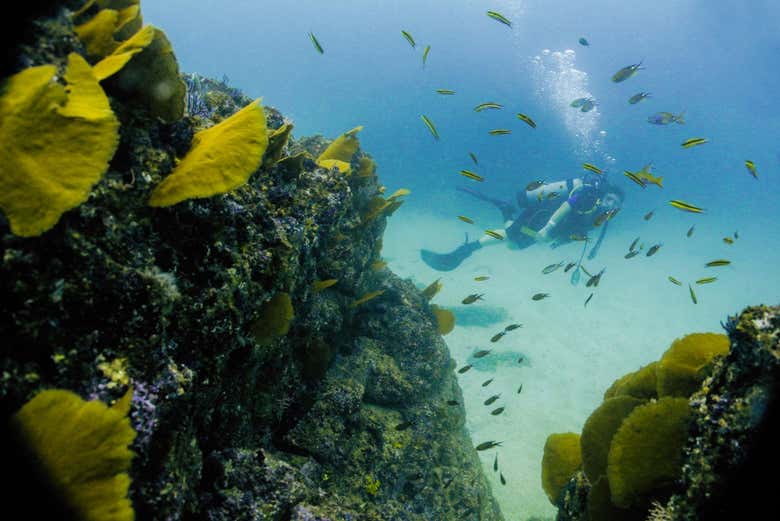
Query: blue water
[(717, 61)]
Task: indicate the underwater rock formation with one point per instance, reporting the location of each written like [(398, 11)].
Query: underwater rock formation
[(257, 393), (705, 454)]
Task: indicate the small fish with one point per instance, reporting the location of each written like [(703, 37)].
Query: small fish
[(569, 266), (595, 279), (649, 215), (674, 281), (707, 280), (649, 178), (495, 235), (316, 43), (751, 166), (693, 295), (512, 327), (430, 125), (492, 399), (495, 463), (409, 38), (523, 117), (633, 244), (500, 475), (520, 360), (612, 213), (488, 105), (497, 336), (631, 254), (320, 285), (690, 231), (464, 369), (634, 178), (719, 262), (589, 105), (728, 240), (551, 267), (736, 235), (533, 185), (472, 175), (472, 298), (653, 250), (640, 96), (485, 445), (425, 54), (453, 402), (584, 42), (626, 72), (481, 353), (403, 426), (588, 300), (487, 382), (578, 102), (600, 219), (366, 298), (687, 207), (481, 278), (473, 158), (465, 219), (519, 388), (540, 296), (578, 237), (592, 168), (499, 17), (445, 92), (432, 289), (694, 141), (664, 118), (496, 412), (499, 132)]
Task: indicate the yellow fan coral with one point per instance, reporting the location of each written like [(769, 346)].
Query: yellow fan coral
[(680, 368), (277, 140), (445, 319), (55, 143), (646, 451), (340, 152), (221, 159), (562, 458), (83, 447), (102, 33), (115, 61), (639, 384)]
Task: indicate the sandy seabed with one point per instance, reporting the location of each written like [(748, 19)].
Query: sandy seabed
[(571, 353)]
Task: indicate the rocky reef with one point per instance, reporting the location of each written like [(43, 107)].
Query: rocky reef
[(690, 437), (277, 369)]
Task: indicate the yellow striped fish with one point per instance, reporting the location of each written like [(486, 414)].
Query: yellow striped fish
[(473, 158), (706, 280), (751, 166), (365, 298), (499, 18), (592, 168), (674, 281), (425, 54), (488, 105), (431, 127), (316, 43), (688, 143), (472, 175), (445, 92), (465, 219), (495, 235), (523, 117), (693, 295), (687, 207), (635, 178), (719, 262), (499, 132), (319, 285), (409, 38)]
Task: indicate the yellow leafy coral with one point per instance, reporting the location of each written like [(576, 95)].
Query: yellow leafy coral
[(339, 153), (115, 61), (221, 159), (445, 319), (562, 458), (55, 143), (681, 368), (83, 447)]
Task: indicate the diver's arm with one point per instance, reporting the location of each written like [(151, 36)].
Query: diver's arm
[(545, 234)]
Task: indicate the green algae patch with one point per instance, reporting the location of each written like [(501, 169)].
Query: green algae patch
[(562, 458), (57, 142), (83, 447), (682, 368), (339, 153), (646, 452), (598, 431), (639, 384), (275, 317), (221, 159)]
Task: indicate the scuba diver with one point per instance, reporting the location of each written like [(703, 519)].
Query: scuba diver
[(543, 217)]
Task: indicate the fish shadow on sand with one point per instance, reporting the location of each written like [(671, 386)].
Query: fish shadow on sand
[(495, 359), (479, 315)]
